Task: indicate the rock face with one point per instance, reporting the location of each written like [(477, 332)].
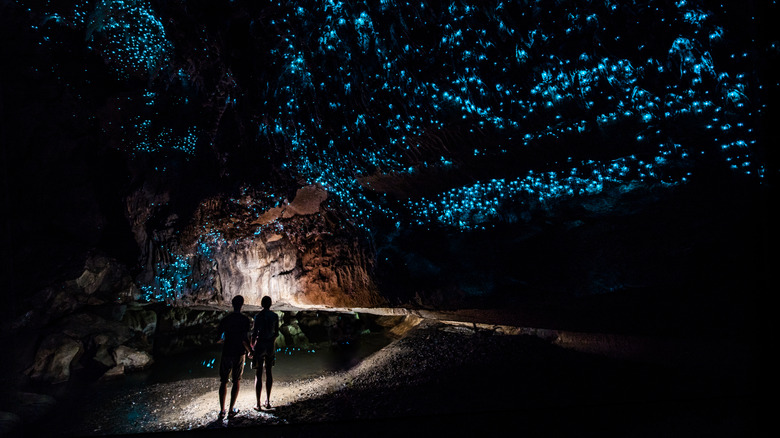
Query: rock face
[(334, 271), (253, 268), (106, 280), (86, 342), (298, 252), (87, 324), (338, 272)]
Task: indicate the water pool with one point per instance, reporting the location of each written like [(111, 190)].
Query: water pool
[(291, 362)]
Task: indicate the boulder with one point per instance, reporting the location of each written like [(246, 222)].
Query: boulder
[(55, 359), (90, 281), (269, 216), (86, 340), (102, 345), (105, 280), (114, 372), (315, 325), (64, 300), (131, 359), (104, 356)]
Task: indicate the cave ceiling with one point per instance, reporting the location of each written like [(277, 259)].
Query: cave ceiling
[(450, 116)]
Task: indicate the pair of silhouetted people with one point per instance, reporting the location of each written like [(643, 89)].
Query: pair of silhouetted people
[(233, 331)]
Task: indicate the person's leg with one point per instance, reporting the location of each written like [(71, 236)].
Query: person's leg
[(269, 379), (259, 381), (237, 371), (224, 371), (234, 394), (222, 394)]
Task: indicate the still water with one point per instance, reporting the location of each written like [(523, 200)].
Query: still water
[(291, 362)]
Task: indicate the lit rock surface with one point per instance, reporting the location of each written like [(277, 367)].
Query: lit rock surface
[(307, 201), (253, 269), (131, 359)]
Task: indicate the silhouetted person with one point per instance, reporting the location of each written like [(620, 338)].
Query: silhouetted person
[(236, 328), (263, 340)]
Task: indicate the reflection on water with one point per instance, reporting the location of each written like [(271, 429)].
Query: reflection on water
[(291, 362)]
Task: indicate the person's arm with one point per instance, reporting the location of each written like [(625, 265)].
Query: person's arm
[(220, 330), (247, 341), (253, 338)]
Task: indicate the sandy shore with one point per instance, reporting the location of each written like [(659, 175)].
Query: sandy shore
[(448, 379)]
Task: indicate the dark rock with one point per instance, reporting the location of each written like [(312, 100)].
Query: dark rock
[(79, 340), (33, 407), (293, 334), (86, 325), (104, 356), (106, 280), (179, 319), (181, 329), (21, 412), (118, 312), (141, 320), (113, 372), (55, 358), (10, 424)]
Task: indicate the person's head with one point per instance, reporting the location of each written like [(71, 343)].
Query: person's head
[(238, 301), (266, 302)]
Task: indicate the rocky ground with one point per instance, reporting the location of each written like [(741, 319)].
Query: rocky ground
[(449, 379)]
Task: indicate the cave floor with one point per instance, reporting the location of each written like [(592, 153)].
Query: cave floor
[(449, 379)]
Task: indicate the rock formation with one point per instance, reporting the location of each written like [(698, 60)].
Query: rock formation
[(297, 252)]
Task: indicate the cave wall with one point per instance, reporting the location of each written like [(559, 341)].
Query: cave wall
[(298, 252), (254, 269)]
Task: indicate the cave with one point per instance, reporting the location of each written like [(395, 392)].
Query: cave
[(551, 216)]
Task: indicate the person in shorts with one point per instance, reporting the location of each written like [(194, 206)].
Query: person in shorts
[(266, 329), (232, 332)]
